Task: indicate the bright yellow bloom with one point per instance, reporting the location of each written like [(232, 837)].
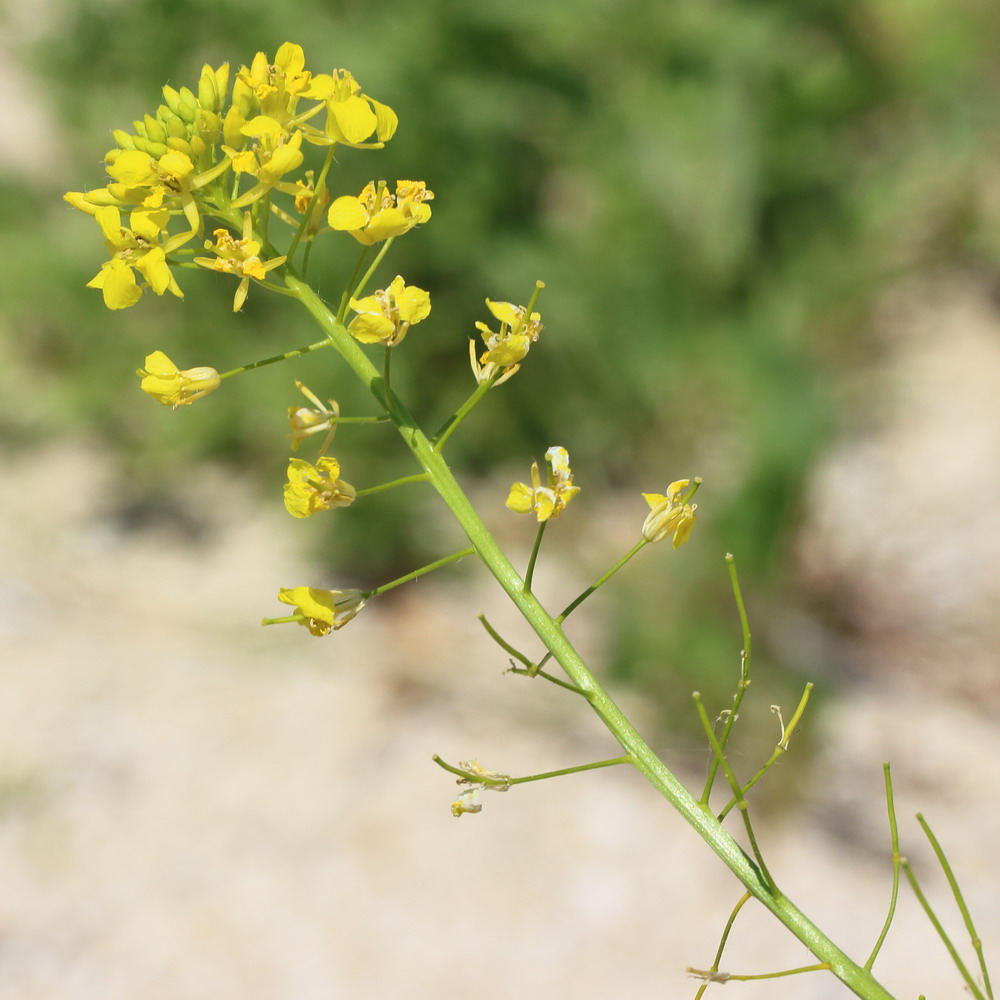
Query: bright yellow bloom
[(549, 500), (272, 88), (386, 316), (306, 421), (351, 117), (670, 513), (155, 182), (312, 488), (320, 611), (272, 156), (376, 214), (162, 380), (240, 257), (137, 247), (507, 347)]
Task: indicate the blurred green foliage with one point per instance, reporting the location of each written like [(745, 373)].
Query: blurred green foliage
[(715, 193)]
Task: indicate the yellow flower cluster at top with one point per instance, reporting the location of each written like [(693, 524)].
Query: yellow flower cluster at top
[(226, 153)]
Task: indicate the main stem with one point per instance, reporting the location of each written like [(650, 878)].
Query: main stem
[(860, 981)]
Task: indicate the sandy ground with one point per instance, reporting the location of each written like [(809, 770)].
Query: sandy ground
[(195, 807)]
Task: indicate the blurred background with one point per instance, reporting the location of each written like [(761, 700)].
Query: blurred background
[(769, 234)]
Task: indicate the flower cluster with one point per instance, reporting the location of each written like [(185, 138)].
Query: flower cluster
[(216, 149), (227, 159), (549, 500)]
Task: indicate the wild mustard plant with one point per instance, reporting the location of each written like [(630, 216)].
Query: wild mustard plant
[(229, 157)]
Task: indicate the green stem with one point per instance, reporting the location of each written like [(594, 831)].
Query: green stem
[(744, 681), (345, 297), (727, 977), (779, 749), (537, 672), (599, 582), (298, 352), (308, 213), (451, 424), (941, 932), (552, 636), (504, 645), (429, 568), (472, 777), (734, 784), (354, 291), (529, 573), (744, 899), (418, 477), (896, 860), (358, 420), (956, 891)]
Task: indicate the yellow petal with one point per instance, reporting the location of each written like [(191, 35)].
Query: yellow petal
[(371, 328), (133, 168), (354, 119), (414, 304), (119, 285), (521, 498), (347, 213), (387, 120)]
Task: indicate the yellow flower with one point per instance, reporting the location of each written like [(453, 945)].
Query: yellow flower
[(507, 347), (351, 117), (376, 213), (272, 88), (137, 247), (386, 316), (670, 513), (157, 182), (272, 156), (240, 257), (162, 380), (306, 421), (320, 611), (312, 488), (550, 500)]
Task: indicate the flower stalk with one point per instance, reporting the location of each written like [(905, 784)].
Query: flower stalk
[(550, 632)]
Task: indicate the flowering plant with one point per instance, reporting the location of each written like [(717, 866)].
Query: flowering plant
[(229, 157)]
